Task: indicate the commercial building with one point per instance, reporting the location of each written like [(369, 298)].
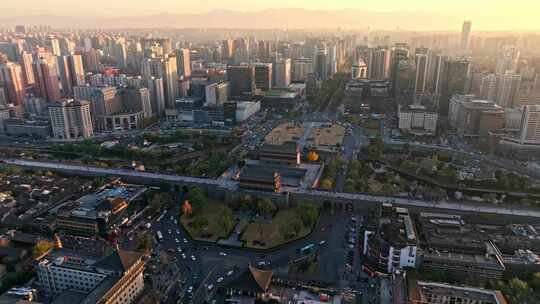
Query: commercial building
[(282, 73), (302, 67), (71, 119), (529, 131), (183, 61), (263, 76), (241, 80), (216, 93), (453, 81), (379, 64), (20, 127), (474, 117), (466, 35), (281, 99), (105, 101), (76, 278)]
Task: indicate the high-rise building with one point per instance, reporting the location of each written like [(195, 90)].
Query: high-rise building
[(71, 72), (302, 67), (183, 61), (439, 66), (379, 64), (508, 90), (321, 66), (137, 100), (119, 53), (359, 69), (26, 64), (104, 101), (282, 73), (466, 35), (91, 60), (157, 95), (11, 76), (241, 80), (46, 77), (422, 62), (530, 125), (227, 50), (454, 80), (53, 46), (71, 119), (263, 76), (164, 68)]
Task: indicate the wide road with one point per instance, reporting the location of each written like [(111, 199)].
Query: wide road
[(232, 185)]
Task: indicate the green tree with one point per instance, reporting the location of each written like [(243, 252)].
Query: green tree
[(199, 223), (197, 198), (226, 219), (308, 213), (143, 242), (266, 207), (296, 226), (41, 247), (327, 184)]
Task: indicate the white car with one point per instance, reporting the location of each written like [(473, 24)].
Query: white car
[(185, 241), (193, 258), (190, 289), (184, 256), (169, 231), (210, 287), (177, 240), (222, 254), (220, 279), (177, 231), (230, 272)]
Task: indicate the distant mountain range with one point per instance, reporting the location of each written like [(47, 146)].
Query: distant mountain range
[(265, 19)]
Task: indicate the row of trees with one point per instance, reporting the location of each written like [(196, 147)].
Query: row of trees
[(330, 173)]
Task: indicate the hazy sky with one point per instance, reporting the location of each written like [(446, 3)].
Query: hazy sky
[(526, 13)]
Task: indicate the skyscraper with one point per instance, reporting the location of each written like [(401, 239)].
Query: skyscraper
[(71, 73), (453, 82), (530, 125), (156, 92), (46, 77), (301, 68), (466, 35), (507, 90), (183, 61), (421, 73), (321, 66), (26, 64), (282, 73), (164, 68), (12, 76), (379, 64)]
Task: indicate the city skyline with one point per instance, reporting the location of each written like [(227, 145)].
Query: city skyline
[(419, 15)]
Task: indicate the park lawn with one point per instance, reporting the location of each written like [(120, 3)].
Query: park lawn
[(271, 234), (212, 211)]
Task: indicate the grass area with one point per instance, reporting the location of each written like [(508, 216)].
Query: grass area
[(271, 231), (213, 212)]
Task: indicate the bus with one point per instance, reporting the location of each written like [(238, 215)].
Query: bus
[(159, 236), (307, 249)]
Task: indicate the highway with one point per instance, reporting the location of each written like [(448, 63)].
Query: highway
[(320, 195)]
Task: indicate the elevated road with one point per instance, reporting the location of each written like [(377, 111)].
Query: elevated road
[(308, 194)]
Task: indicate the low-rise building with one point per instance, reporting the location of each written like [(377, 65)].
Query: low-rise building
[(421, 292), (395, 244), (74, 277)]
